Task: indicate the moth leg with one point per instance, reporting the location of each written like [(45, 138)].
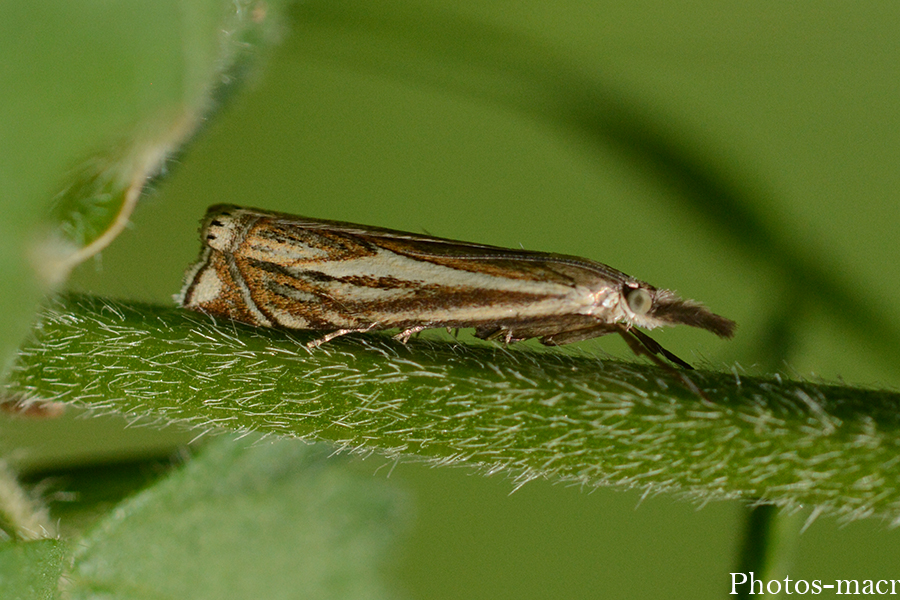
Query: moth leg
[(404, 335), (500, 334), (576, 335), (641, 343), (335, 334), (488, 333)]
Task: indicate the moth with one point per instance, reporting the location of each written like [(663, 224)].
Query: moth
[(277, 270)]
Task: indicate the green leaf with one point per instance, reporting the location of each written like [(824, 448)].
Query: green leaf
[(101, 94), (528, 413), (32, 570), (247, 518)]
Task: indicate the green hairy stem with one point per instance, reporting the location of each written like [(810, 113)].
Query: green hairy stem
[(529, 413)]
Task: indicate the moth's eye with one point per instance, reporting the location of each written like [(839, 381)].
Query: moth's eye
[(639, 301)]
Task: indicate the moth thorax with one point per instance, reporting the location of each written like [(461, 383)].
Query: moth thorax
[(220, 231)]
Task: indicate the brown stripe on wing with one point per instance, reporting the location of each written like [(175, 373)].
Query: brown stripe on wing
[(228, 300), (347, 239), (506, 263), (283, 288), (280, 239)]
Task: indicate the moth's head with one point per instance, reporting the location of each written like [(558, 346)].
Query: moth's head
[(648, 307), (220, 227)]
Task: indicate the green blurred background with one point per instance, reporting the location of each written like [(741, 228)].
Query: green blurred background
[(795, 102)]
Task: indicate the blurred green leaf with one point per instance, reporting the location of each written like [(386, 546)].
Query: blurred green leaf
[(98, 96), (32, 570), (247, 518)]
